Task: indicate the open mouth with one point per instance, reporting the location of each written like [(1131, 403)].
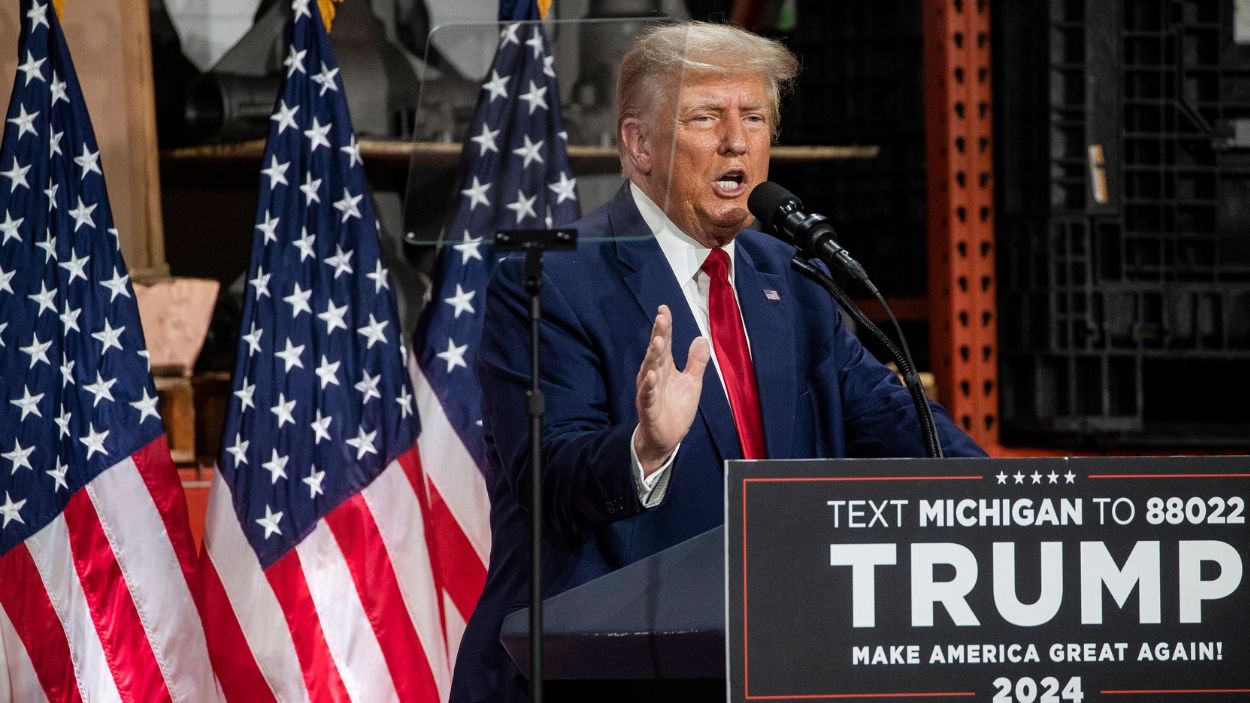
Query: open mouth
[(731, 183)]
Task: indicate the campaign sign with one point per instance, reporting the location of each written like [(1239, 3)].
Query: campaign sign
[(1010, 581)]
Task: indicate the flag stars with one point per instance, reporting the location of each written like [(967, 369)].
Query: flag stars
[(328, 373), (20, 456), (299, 8), (363, 442), (325, 79), (38, 15), (89, 162), (260, 282), (117, 285), (32, 68), (374, 331), (276, 466), (549, 69), (523, 207), (146, 407), (497, 86), (285, 116), (25, 122), (469, 248), (75, 266), (10, 511), (317, 135), (454, 355), (54, 149), (298, 299), (1069, 477), (82, 214), (321, 426), (16, 176), (101, 389), (94, 441), (253, 339), (49, 247), (276, 173), (529, 151), (564, 188), (405, 402), (1002, 478), (349, 205), (270, 522), (1019, 478), (535, 98), (333, 317), (379, 277), (1037, 477), (309, 189), (58, 86), (6, 286), (62, 421), (477, 194), (353, 152), (67, 370), (109, 337), (305, 243), (38, 351), (368, 386), (341, 261), (461, 301), (1052, 477), (269, 228), (535, 42), (313, 481), (284, 410), (238, 451), (294, 61), (28, 404), (290, 355), (507, 35), (10, 228), (245, 394), (486, 140), (58, 475)]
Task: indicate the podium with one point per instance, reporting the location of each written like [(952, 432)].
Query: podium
[(653, 630)]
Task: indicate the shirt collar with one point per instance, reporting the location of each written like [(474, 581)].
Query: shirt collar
[(684, 254)]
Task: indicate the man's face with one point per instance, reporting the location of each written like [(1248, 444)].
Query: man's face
[(717, 153)]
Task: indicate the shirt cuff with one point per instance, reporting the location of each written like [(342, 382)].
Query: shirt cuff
[(651, 489)]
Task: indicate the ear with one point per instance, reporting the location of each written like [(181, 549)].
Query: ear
[(637, 146)]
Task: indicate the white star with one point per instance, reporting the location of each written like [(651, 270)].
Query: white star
[(549, 62), (109, 337), (353, 152), (460, 301), (535, 98), (146, 406), (363, 443), (341, 261), (294, 61), (468, 248), (89, 161), (529, 151), (5, 285), (261, 282), (310, 189), (507, 35), (299, 301), (284, 410), (368, 385), (321, 426), (69, 318), (9, 227), (1070, 477), (314, 482), (31, 68), (94, 441), (285, 116), (20, 456), (100, 389), (82, 214), (276, 173), (117, 285), (253, 339), (67, 370), (239, 450), (270, 522), (333, 316), (63, 420), (58, 89), (290, 355), (317, 135), (29, 404), (1037, 478), (54, 149), (1053, 477), (299, 8), (477, 194), (379, 277), (486, 140), (58, 475), (523, 206), (328, 372), (454, 356), (269, 228), (373, 331), (3, 326), (563, 188), (1019, 478), (25, 122), (10, 510), (497, 85), (276, 466), (1002, 478), (349, 205), (245, 394), (37, 350), (535, 42), (16, 176), (405, 402), (75, 266), (38, 15), (305, 243), (325, 79)]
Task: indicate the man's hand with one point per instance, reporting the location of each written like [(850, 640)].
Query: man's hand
[(667, 398)]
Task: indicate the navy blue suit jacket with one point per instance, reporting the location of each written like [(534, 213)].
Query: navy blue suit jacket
[(821, 395)]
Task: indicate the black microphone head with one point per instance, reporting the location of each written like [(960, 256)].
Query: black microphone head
[(766, 202)]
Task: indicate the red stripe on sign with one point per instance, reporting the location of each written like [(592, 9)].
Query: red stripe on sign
[(228, 648), (357, 535), (24, 599), (157, 470), (125, 643), (321, 674), (463, 574)]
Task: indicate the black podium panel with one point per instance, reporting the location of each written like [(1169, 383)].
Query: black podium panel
[(661, 618)]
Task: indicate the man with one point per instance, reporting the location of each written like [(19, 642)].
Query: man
[(633, 446)]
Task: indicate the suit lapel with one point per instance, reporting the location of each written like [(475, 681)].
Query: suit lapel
[(652, 283), (770, 324)]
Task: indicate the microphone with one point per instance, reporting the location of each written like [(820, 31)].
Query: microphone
[(782, 214)]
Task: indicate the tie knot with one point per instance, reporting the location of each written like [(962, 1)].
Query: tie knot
[(716, 265)]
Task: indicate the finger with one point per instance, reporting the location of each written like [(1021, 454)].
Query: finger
[(664, 323), (698, 356)]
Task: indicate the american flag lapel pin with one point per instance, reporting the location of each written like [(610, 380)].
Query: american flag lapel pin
[(772, 295)]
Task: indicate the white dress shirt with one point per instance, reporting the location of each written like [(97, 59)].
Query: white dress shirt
[(685, 256)]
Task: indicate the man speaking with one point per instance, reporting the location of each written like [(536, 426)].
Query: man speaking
[(676, 341)]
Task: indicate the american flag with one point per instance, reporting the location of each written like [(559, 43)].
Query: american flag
[(514, 174), (318, 584), (98, 589)]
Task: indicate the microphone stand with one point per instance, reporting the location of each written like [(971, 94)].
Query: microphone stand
[(928, 429), (534, 242)]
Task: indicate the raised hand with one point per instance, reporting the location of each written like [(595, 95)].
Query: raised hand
[(667, 398)]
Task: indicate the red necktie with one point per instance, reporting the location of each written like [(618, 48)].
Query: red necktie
[(732, 355)]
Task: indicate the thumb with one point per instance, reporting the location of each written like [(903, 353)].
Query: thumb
[(697, 358)]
